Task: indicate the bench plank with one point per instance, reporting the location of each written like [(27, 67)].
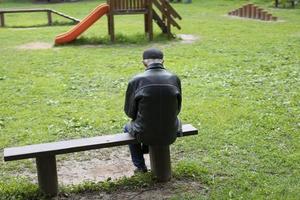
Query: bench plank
[(75, 145), (24, 10)]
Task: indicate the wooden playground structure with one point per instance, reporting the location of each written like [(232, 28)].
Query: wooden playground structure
[(159, 11)]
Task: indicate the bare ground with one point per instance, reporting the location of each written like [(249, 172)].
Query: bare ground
[(182, 189), (112, 164), (97, 165), (187, 38), (35, 46)]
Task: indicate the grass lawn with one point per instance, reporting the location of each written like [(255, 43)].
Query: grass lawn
[(241, 89)]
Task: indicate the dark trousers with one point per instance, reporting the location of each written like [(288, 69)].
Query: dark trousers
[(137, 152)]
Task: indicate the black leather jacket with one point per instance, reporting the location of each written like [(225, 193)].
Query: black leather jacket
[(153, 101)]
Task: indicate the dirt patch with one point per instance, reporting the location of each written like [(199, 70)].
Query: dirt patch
[(35, 46), (112, 163), (182, 189), (97, 165), (187, 38)]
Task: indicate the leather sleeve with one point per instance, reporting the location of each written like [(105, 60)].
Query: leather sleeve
[(179, 96), (130, 106)]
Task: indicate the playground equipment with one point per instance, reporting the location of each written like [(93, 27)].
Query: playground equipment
[(48, 11), (148, 8), (292, 2), (254, 12), (89, 20), (145, 7)]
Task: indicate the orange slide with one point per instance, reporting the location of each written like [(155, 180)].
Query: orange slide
[(89, 20)]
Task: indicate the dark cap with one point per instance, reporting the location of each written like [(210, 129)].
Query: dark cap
[(153, 53)]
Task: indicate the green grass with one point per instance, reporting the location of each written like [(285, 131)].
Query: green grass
[(240, 83)]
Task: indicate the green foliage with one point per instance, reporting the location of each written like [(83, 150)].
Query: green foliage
[(240, 82), (191, 169), (134, 182), (19, 189)]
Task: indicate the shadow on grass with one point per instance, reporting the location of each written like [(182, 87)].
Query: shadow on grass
[(120, 39), (55, 23)]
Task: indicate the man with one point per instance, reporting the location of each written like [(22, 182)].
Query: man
[(153, 101)]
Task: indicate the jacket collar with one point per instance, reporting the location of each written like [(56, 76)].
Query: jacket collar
[(155, 66)]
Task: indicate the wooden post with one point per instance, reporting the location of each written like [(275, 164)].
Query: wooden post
[(108, 24), (2, 23), (111, 27), (269, 17), (169, 29), (49, 14), (47, 175), (249, 10), (146, 23), (264, 15), (160, 162), (293, 3), (276, 3), (245, 11), (258, 13), (150, 22), (111, 23), (240, 12), (253, 12)]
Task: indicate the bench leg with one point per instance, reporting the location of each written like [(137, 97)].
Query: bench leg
[(47, 175), (2, 24), (160, 162)]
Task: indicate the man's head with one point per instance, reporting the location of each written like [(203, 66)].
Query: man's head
[(151, 56)]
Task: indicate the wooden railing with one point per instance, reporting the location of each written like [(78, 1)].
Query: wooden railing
[(128, 5)]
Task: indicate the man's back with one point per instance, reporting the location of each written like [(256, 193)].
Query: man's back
[(153, 101)]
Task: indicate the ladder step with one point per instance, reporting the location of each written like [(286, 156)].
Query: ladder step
[(159, 22)]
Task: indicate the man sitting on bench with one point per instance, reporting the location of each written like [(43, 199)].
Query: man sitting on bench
[(153, 101)]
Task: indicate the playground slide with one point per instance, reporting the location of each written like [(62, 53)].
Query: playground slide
[(89, 20)]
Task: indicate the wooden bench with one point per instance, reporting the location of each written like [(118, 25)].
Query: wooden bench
[(48, 11), (46, 161)]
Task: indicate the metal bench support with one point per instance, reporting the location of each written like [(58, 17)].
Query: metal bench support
[(47, 174), (160, 162)]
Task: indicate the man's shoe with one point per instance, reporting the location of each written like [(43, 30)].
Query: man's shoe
[(140, 170)]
